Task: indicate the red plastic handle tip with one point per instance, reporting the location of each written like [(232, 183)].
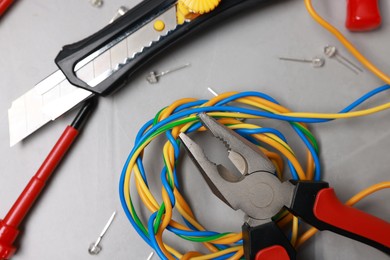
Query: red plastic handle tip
[(7, 237), (4, 5), (273, 253), (363, 15)]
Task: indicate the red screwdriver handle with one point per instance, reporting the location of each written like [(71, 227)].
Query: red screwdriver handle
[(9, 225), (362, 15), (4, 5), (352, 222)]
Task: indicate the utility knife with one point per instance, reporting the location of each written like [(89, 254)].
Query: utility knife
[(106, 60)]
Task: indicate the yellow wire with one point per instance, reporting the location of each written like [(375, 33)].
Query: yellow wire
[(359, 113), (237, 255), (295, 227), (346, 43), (220, 253)]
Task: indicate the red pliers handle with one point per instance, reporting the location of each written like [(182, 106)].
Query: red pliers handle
[(318, 205), (4, 4)]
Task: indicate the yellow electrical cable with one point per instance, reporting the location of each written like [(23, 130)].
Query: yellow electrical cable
[(190, 255), (287, 218), (220, 253), (294, 235), (359, 113), (163, 246), (309, 166), (145, 194), (169, 164), (363, 60), (238, 255), (167, 217)]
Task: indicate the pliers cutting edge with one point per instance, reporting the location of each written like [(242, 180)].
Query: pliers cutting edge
[(261, 195)]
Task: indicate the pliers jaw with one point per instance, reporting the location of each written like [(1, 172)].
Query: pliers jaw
[(211, 172), (246, 156), (254, 189)]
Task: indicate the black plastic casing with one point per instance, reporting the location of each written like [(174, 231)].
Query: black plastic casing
[(135, 18), (264, 236)]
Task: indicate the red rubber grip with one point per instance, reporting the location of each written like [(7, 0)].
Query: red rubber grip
[(4, 4), (362, 15), (273, 253), (9, 225), (330, 210)]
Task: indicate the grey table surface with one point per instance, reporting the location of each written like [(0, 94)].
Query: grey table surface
[(238, 54)]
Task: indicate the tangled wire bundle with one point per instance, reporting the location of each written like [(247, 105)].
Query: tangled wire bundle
[(181, 116)]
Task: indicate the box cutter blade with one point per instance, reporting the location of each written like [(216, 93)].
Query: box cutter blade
[(104, 61)]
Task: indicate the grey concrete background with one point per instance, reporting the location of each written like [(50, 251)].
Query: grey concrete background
[(237, 54)]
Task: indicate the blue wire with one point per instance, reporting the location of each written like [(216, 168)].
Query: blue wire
[(167, 186), (173, 142), (194, 127), (153, 238), (317, 170), (142, 170), (176, 149), (142, 130), (189, 105), (365, 97), (189, 225), (224, 257), (127, 212)]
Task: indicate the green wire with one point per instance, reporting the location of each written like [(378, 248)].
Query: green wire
[(157, 221), (309, 135), (205, 239), (137, 220), (155, 120)]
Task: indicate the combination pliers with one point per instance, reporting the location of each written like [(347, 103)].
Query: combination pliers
[(257, 191)]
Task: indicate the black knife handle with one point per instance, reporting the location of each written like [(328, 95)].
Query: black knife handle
[(146, 11)]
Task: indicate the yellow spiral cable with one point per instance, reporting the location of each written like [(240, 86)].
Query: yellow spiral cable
[(354, 51)]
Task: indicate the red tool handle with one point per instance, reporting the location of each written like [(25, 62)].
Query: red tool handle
[(352, 222), (362, 15), (4, 4), (9, 225)]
